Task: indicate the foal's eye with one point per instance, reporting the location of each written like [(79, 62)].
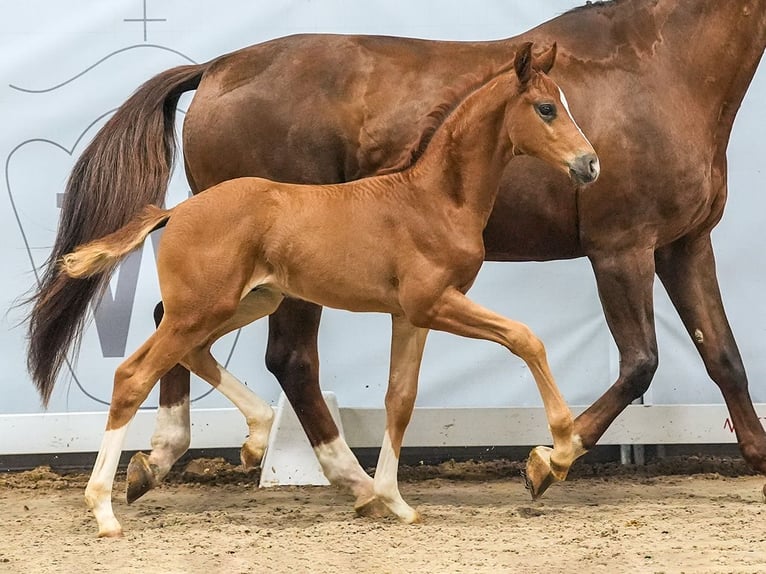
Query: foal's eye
[(546, 111)]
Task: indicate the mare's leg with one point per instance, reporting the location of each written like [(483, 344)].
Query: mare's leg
[(133, 380), (172, 431), (454, 313), (407, 342), (293, 358), (625, 285), (687, 269), (171, 437)]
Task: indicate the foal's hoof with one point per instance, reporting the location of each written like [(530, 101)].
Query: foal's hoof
[(372, 507), (111, 533), (539, 474), (142, 477), (412, 517), (251, 457), (764, 492)]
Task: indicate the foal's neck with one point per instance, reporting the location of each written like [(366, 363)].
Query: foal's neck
[(464, 160)]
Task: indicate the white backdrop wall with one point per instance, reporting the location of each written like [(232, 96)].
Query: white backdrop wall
[(65, 66)]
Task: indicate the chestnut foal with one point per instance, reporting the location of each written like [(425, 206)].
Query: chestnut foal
[(408, 243)]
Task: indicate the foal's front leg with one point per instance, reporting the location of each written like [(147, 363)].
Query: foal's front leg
[(407, 342), (454, 313)]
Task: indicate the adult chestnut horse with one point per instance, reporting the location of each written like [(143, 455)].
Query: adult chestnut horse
[(653, 82), (409, 244)]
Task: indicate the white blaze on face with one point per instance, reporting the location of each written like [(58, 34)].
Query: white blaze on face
[(569, 113)]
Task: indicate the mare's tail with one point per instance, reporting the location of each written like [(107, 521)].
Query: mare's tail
[(126, 167)]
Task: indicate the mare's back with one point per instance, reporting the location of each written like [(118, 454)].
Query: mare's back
[(323, 109)]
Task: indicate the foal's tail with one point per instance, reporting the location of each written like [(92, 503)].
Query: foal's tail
[(125, 167), (102, 255)]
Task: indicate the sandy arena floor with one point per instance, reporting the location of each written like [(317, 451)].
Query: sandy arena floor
[(477, 518)]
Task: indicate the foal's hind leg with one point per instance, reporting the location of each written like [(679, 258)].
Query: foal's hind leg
[(133, 380), (172, 431), (407, 342), (171, 436), (256, 304), (454, 313)]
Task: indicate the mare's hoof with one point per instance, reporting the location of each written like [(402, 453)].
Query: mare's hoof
[(142, 477), (251, 457), (373, 507), (539, 475), (764, 492), (111, 534)]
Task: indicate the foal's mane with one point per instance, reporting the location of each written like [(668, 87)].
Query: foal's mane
[(454, 97)]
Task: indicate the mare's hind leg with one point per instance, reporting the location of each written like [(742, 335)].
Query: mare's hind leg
[(171, 437), (133, 380), (293, 358), (407, 342), (687, 269), (454, 313)]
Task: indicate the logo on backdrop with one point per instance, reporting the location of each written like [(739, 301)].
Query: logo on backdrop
[(36, 223)]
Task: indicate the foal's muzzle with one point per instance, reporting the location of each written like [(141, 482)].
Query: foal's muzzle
[(585, 168)]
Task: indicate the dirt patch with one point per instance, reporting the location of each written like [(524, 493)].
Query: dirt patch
[(210, 517)]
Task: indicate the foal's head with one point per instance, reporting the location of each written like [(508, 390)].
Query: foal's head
[(539, 122)]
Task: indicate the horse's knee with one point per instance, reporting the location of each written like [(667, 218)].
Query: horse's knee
[(637, 371), (726, 369), (527, 344)]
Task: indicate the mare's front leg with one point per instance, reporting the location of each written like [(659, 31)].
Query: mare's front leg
[(625, 285), (454, 313), (293, 358), (407, 342), (687, 269)]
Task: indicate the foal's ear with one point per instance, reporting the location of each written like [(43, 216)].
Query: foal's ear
[(523, 63), (544, 62)]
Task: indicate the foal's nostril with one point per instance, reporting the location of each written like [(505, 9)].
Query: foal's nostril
[(593, 167), (585, 168)]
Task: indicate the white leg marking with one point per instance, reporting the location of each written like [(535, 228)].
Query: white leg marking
[(387, 486), (98, 493), (171, 438), (258, 413), (341, 468)]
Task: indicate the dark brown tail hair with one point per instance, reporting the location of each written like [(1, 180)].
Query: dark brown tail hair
[(126, 167)]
